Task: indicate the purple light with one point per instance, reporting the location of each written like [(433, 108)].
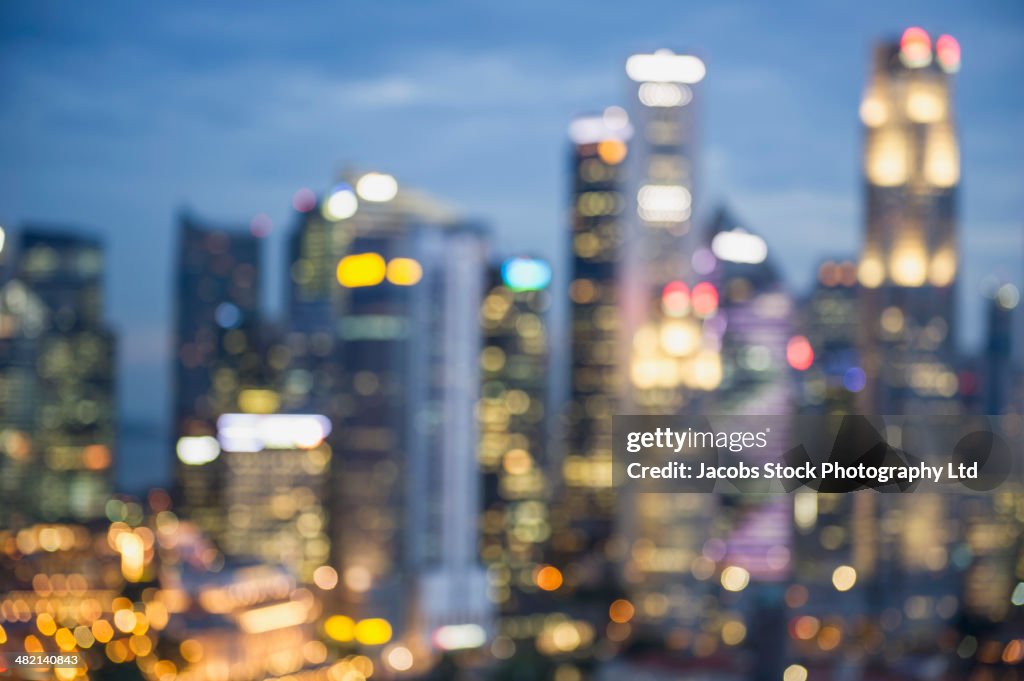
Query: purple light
[(304, 200)]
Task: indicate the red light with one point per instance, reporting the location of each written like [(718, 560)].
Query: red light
[(799, 353), (675, 298), (915, 47), (704, 299), (948, 51)]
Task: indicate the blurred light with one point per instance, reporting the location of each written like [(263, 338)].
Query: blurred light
[(304, 200), (133, 555), (733, 632), (925, 102), (364, 269), (1007, 296), (325, 577), (703, 261), (854, 379), (621, 611), (663, 203), (196, 451), (739, 246), (377, 187), (795, 672), (948, 51), (799, 353), (665, 67), (805, 509), (886, 161), (908, 264), (941, 156), (256, 432), (844, 577), (227, 315), (664, 95), (261, 225), (341, 203), (399, 658), (870, 272), (460, 636), (525, 274), (548, 578), (704, 299), (874, 112), (273, 617), (675, 298), (680, 337), (612, 125), (612, 151), (340, 628), (258, 401), (373, 632), (915, 48), (943, 267), (1017, 598), (404, 272), (3, 239), (735, 578)]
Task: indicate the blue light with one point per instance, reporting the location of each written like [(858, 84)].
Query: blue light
[(854, 379), (525, 274), (228, 316)]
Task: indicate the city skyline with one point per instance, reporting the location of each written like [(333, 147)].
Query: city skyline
[(116, 90)]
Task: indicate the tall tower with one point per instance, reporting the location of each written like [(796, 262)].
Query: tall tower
[(57, 402), (909, 262)]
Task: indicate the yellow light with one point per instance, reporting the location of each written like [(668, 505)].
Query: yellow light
[(191, 650), (908, 265), (612, 152), (373, 632), (871, 272), (735, 578), (873, 111), (102, 630), (124, 620), (365, 269), (886, 162), (795, 672), (273, 617), (941, 157), (706, 370), (943, 268), (733, 633), (254, 401), (3, 634), (925, 103), (133, 555), (65, 639), (844, 577), (404, 272), (84, 637), (45, 624), (340, 628), (680, 338)]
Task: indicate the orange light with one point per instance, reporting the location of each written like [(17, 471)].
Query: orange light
[(612, 152), (365, 269), (799, 353), (549, 578), (915, 47), (948, 51), (404, 272), (621, 611)]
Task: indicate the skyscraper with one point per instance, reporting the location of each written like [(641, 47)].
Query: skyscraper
[(217, 349), (397, 338), (515, 421), (57, 401), (909, 262)]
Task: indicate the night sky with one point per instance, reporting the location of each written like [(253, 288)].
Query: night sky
[(114, 116)]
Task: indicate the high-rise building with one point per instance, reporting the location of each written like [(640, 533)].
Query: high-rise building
[(57, 386), (909, 262), (582, 518), (515, 422), (396, 280), (218, 351)]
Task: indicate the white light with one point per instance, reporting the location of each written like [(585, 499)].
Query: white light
[(663, 203), (739, 246), (460, 636), (616, 118), (377, 187), (256, 432), (341, 204), (594, 129), (196, 451), (664, 94), (665, 67), (3, 238)]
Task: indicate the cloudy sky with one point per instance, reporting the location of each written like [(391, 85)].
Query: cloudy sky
[(113, 116)]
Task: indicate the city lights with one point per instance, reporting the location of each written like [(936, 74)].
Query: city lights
[(799, 353), (365, 269), (665, 67), (704, 299), (341, 203), (256, 432), (197, 451), (377, 187), (404, 271), (526, 274), (460, 637), (947, 49), (915, 48), (663, 203), (740, 247)]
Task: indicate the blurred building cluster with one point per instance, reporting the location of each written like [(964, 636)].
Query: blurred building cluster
[(387, 482)]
